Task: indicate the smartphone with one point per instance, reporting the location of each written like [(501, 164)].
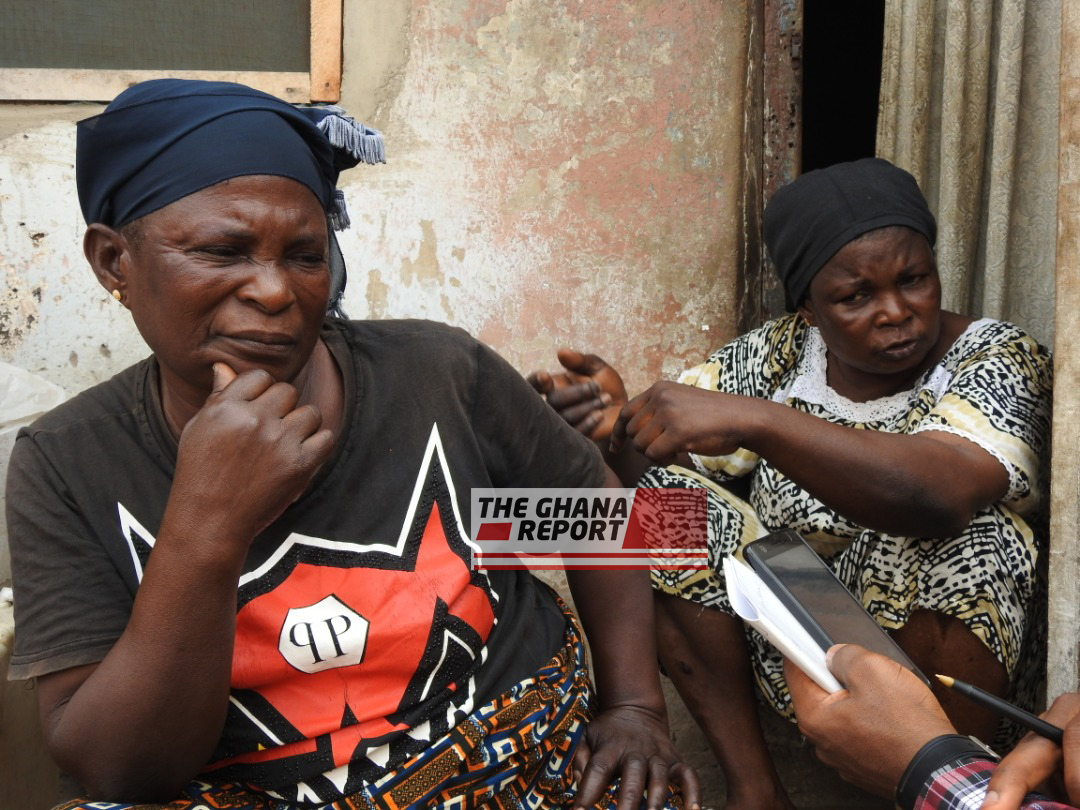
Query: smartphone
[(800, 579)]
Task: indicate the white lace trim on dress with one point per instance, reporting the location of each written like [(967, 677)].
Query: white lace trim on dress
[(1015, 483), (811, 385)]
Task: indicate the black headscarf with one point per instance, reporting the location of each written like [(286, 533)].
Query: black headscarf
[(810, 219), (164, 139)]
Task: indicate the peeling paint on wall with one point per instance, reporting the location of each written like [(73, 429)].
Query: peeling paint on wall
[(561, 172), (18, 310), (376, 296), (50, 297), (578, 163), (425, 265)]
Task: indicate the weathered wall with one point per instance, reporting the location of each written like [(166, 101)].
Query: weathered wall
[(1063, 665), (559, 172), (54, 318)]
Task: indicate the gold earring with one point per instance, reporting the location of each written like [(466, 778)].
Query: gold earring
[(116, 294)]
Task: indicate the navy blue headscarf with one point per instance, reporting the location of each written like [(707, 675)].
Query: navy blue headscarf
[(164, 139), (811, 218)]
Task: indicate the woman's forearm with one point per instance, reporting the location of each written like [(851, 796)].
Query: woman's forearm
[(616, 610), (148, 717), (921, 485)]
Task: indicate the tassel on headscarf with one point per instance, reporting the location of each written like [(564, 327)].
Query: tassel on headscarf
[(361, 142), (344, 132)]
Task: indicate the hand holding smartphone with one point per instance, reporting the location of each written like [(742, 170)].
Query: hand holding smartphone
[(808, 588)]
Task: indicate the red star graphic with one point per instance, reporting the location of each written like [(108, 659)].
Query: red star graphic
[(400, 606)]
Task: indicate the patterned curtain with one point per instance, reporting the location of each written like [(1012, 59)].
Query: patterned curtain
[(969, 105)]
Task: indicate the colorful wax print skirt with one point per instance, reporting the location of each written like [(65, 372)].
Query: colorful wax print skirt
[(514, 753)]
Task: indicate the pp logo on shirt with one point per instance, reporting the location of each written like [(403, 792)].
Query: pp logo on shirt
[(322, 636)]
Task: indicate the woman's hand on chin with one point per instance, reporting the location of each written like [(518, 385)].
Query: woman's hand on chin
[(246, 455)]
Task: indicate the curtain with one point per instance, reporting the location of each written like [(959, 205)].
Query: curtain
[(969, 105)]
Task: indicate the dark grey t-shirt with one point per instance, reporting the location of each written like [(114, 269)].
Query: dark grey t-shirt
[(361, 588)]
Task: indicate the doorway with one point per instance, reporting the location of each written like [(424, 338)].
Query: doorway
[(841, 76)]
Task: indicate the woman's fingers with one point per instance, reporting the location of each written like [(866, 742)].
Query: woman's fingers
[(621, 429), (574, 395), (595, 776), (542, 382), (587, 365), (687, 780), (223, 375), (582, 755), (632, 782)]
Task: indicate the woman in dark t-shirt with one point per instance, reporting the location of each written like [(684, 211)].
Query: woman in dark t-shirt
[(242, 574)]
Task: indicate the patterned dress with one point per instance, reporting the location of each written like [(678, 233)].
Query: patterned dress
[(992, 387)]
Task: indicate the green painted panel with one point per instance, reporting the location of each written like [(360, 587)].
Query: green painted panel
[(232, 35)]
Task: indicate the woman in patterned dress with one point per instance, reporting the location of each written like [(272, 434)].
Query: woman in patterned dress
[(905, 442)]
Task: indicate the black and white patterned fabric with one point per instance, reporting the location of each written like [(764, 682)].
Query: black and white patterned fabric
[(992, 387)]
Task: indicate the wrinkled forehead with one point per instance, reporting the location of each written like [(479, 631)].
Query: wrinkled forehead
[(239, 203), (893, 249)]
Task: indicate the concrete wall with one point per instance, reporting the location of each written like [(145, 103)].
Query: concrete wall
[(1063, 665), (559, 172)]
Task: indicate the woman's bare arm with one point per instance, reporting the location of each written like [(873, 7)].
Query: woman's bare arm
[(929, 484), (145, 720)]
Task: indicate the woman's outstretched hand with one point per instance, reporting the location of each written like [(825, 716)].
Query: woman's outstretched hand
[(588, 394), (633, 745), (671, 418)]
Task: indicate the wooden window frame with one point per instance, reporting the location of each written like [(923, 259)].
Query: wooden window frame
[(321, 83)]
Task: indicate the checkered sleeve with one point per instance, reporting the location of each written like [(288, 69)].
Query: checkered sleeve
[(963, 787)]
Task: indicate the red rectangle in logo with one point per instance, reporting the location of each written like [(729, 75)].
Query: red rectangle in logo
[(494, 531)]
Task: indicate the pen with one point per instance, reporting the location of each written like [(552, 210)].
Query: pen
[(1004, 708)]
